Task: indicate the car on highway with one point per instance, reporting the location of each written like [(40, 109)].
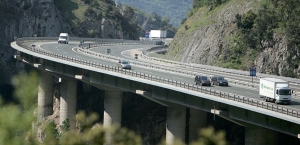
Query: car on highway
[(124, 64), (108, 50), (219, 81), (202, 80), (63, 38), (159, 43)]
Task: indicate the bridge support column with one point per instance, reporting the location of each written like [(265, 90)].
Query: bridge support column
[(68, 102), (45, 95), (198, 120), (112, 112), (260, 136), (175, 127), (112, 108)]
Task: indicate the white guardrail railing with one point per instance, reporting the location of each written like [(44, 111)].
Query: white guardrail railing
[(242, 99)]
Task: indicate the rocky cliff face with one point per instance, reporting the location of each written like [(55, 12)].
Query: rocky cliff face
[(25, 18), (41, 18), (209, 42), (273, 59), (206, 43)]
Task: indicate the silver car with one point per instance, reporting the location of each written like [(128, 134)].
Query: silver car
[(124, 64)]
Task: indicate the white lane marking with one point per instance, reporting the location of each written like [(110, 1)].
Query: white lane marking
[(123, 53), (251, 93), (179, 78)]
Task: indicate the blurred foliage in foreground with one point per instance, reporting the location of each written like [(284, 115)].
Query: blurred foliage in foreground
[(18, 125)]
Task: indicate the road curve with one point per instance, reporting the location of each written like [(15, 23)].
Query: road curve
[(120, 51)]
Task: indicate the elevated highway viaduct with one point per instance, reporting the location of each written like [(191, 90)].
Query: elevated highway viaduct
[(175, 90)]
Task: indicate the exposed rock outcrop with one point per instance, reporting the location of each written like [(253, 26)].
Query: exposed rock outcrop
[(207, 42), (23, 18), (212, 40), (41, 18)]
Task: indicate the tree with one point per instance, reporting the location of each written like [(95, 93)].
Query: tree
[(128, 13), (208, 136), (16, 119)]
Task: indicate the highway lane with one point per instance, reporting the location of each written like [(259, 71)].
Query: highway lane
[(116, 50), (122, 52)]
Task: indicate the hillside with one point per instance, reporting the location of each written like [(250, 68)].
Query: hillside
[(238, 33), (175, 10), (80, 18)]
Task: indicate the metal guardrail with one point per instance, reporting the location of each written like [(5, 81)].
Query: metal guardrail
[(74, 39), (90, 45), (225, 95)]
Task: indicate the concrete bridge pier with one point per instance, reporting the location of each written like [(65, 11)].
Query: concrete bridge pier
[(112, 108), (198, 120), (175, 127), (68, 101), (112, 112), (260, 136), (45, 95)]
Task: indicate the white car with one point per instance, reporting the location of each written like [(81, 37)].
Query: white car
[(124, 64)]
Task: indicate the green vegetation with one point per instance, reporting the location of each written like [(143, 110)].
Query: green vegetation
[(208, 136), (276, 17), (16, 119), (155, 22), (175, 10), (208, 3), (258, 29), (85, 17)]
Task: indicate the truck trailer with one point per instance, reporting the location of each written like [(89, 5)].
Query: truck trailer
[(275, 90), (157, 34)]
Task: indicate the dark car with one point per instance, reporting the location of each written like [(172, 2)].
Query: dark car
[(159, 43), (107, 51), (219, 81), (202, 80)]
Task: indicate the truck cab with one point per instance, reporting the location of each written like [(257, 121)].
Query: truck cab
[(63, 38), (283, 95)]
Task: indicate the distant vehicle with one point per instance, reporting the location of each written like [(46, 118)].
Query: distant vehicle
[(159, 43), (63, 38), (124, 64), (202, 80), (219, 81), (275, 90), (107, 50), (154, 34)]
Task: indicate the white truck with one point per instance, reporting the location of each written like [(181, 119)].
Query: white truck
[(63, 38), (276, 90), (157, 34)]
